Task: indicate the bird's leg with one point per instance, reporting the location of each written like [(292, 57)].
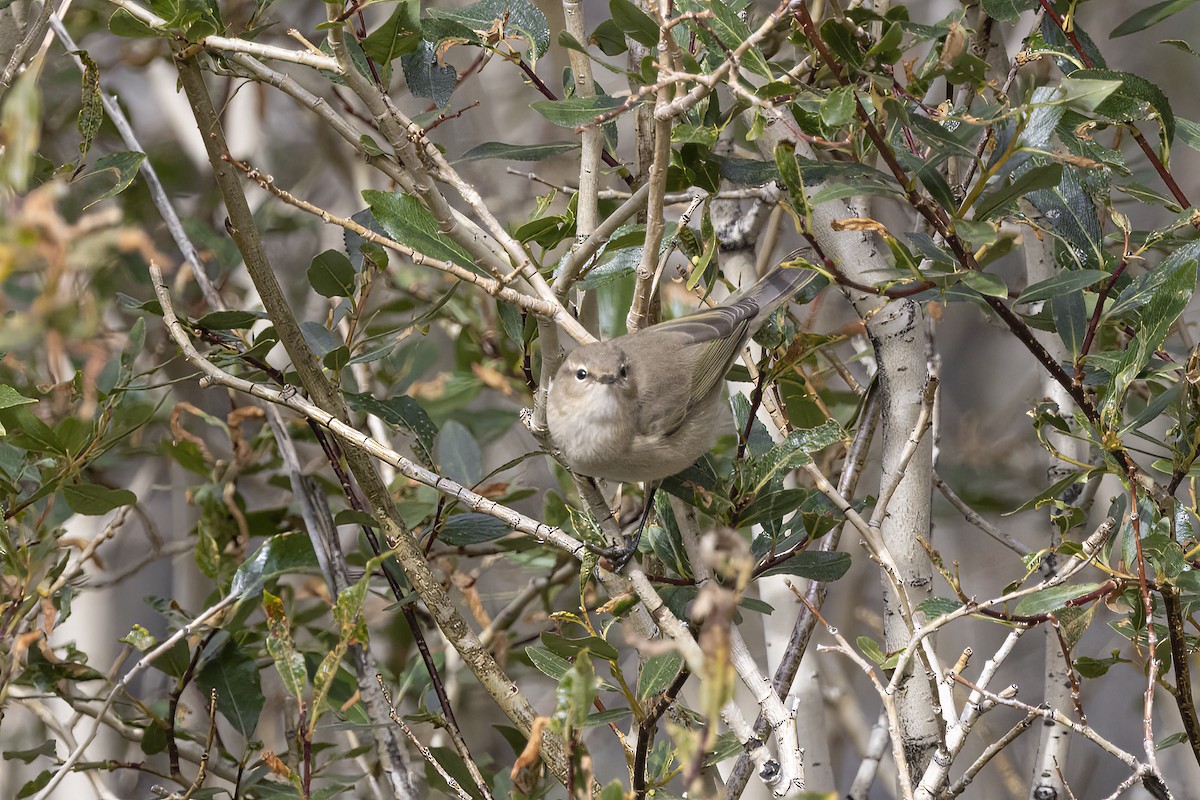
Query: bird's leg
[(622, 555), (619, 555)]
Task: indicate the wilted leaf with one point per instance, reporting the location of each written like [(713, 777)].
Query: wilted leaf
[(123, 167)]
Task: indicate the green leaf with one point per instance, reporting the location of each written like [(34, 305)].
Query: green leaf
[(396, 37), (472, 528), (458, 454), (1070, 319), (410, 223), (46, 748), (1044, 177), (229, 320), (517, 152), (657, 673), (91, 111), (575, 111), (870, 648), (1171, 740), (1008, 10), (785, 161), (509, 16), (235, 678), (729, 27), (985, 283), (571, 648), (21, 121), (838, 109), (282, 554), (771, 505), (1054, 490), (122, 23), (403, 412), (607, 36), (842, 42), (548, 663), (1065, 282), (92, 500), (1159, 297), (816, 565), (935, 607), (1046, 601), (331, 274), (634, 22), (1136, 98), (1151, 15), (427, 76), (10, 397), (124, 168)]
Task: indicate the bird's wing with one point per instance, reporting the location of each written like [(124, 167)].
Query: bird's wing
[(707, 343)]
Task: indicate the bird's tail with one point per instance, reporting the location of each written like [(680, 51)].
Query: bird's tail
[(778, 286)]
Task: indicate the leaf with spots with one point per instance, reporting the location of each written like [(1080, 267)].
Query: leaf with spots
[(91, 112)]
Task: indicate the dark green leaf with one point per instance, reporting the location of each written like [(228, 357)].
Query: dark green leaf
[(935, 607), (770, 506), (511, 16), (842, 42), (1065, 282), (1052, 599), (571, 648), (816, 565), (458, 454), (331, 275), (235, 678), (1008, 10), (1151, 15), (517, 152), (1070, 319), (404, 412), (745, 171), (472, 528), (575, 111), (427, 76), (1043, 177), (92, 500), (607, 36), (636, 23), (730, 29), (46, 748), (410, 223), (229, 320), (399, 35), (1137, 98), (282, 554), (1171, 740)]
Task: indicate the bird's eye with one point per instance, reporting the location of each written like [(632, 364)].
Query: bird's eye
[(581, 373), (624, 371)]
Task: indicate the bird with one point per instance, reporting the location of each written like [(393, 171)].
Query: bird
[(644, 406)]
